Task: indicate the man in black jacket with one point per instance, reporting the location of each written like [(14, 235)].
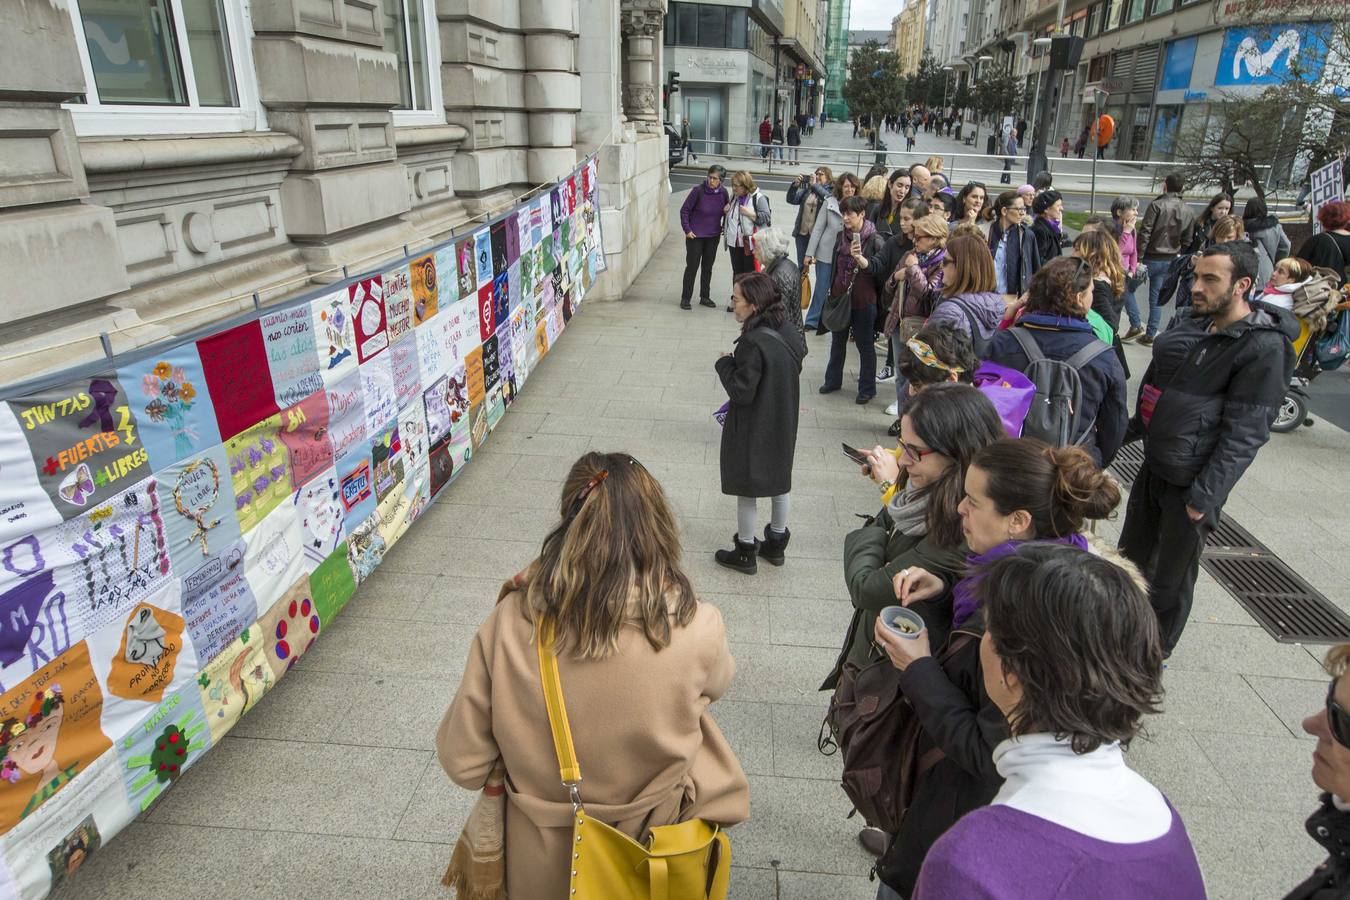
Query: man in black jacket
[(1217, 378)]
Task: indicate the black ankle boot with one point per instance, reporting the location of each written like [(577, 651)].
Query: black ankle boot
[(772, 547), (741, 559)]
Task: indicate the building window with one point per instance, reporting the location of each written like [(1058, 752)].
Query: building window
[(163, 65), (409, 34), (1094, 19), (1111, 19), (1134, 12), (705, 25), (1160, 7)]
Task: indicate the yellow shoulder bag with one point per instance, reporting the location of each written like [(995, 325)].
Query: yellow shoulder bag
[(684, 861)]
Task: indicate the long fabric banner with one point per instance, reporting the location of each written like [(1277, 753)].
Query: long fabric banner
[(176, 532)]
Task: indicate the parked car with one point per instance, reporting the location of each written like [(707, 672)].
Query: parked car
[(677, 145)]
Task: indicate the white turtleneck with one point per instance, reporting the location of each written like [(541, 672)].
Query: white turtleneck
[(1095, 794)]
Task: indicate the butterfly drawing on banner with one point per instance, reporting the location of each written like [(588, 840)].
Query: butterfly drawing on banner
[(78, 486)]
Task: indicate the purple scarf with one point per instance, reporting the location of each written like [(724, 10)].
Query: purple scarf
[(844, 263), (964, 601), (1055, 224)]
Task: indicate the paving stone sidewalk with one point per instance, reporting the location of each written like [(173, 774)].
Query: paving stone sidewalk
[(330, 788)]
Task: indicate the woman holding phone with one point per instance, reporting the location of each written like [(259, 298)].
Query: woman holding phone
[(918, 526), (858, 240)]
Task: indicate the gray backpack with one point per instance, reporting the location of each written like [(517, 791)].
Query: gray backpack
[(1056, 414)]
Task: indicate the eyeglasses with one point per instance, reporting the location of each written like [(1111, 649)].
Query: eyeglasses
[(1338, 720), (1019, 210), (915, 454)]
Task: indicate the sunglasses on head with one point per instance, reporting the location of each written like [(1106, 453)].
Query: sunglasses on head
[(1338, 719)]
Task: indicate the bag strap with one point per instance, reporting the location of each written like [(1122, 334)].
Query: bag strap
[(1089, 351), (1027, 343), (568, 768)]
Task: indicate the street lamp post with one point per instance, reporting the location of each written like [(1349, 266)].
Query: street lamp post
[(1097, 96), (946, 82)]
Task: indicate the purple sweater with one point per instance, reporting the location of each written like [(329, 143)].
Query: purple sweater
[(1001, 853), (701, 211)]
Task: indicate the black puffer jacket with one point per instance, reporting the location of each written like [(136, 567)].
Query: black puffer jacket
[(1220, 392), (788, 279), (1331, 881)]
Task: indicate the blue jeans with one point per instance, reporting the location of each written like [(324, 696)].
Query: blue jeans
[(819, 292), (862, 327), (1132, 305), (802, 240), (1157, 271)]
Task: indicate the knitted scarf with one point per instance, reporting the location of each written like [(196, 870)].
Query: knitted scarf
[(908, 510)]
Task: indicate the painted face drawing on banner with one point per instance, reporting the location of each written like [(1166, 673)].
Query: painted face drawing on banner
[(468, 272)]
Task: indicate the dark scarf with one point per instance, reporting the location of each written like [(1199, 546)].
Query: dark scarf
[(844, 263), (964, 599), (1255, 225)]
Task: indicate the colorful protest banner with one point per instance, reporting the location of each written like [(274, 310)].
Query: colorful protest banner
[(177, 528)]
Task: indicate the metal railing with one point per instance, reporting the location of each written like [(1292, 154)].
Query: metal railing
[(1141, 178)]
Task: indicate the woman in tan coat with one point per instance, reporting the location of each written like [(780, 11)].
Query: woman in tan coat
[(640, 659)]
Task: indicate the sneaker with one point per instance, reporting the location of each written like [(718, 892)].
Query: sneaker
[(886, 374), (893, 409), (1133, 332), (1146, 340), (685, 304), (707, 301)]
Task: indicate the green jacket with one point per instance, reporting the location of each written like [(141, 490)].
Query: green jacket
[(873, 555)]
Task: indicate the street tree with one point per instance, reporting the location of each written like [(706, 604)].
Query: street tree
[(927, 85), (875, 85), (997, 93)]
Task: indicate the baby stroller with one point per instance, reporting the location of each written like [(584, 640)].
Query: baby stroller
[(1322, 310)]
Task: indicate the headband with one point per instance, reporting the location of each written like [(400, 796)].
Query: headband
[(926, 356)]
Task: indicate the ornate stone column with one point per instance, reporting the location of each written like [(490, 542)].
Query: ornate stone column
[(640, 22)]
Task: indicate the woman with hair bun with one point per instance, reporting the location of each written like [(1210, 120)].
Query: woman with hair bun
[(1016, 491), (1072, 658)]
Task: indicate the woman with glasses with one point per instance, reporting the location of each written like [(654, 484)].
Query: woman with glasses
[(1014, 492), (1072, 659), (942, 429), (1330, 824), (701, 219), (1013, 245), (856, 242), (759, 434), (1055, 317), (610, 586)]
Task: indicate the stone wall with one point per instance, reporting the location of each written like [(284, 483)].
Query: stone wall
[(145, 236)]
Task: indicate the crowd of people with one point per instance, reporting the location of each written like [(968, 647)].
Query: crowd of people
[(1000, 657)]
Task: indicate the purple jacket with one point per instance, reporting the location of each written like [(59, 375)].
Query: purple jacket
[(701, 211), (988, 309)]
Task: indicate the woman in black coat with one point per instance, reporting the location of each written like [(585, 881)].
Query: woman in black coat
[(1048, 226), (759, 435)]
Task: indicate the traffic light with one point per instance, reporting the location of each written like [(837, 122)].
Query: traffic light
[(674, 82)]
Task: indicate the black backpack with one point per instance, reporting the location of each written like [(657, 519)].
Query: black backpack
[(1056, 414), (981, 338)]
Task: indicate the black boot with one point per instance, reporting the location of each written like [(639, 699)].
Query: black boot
[(684, 304), (772, 547), (742, 559), (707, 301)]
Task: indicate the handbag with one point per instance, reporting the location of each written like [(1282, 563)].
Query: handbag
[(680, 862), (837, 314), (806, 291)]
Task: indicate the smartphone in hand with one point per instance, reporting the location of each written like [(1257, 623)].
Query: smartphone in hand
[(855, 454)]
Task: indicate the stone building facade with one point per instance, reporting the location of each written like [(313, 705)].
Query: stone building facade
[(165, 165)]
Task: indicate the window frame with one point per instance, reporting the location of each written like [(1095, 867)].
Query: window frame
[(93, 118), (431, 43)]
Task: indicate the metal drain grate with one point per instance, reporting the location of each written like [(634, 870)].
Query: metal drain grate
[(1286, 606)]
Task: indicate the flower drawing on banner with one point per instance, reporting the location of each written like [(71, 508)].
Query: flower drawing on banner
[(171, 395)]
